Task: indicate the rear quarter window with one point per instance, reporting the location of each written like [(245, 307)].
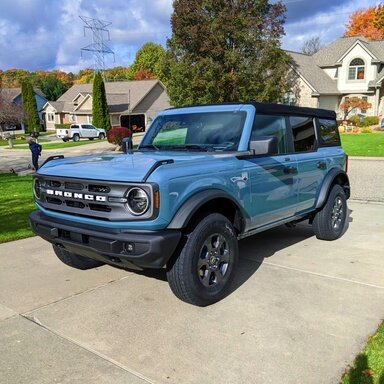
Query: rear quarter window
[(329, 132)]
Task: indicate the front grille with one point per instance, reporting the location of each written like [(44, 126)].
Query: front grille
[(88, 198)]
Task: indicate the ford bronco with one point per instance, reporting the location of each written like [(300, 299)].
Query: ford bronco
[(202, 178)]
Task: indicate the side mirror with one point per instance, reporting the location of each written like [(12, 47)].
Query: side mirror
[(264, 145), (126, 145)]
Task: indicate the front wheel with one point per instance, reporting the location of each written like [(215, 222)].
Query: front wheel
[(75, 261), (101, 136), (204, 270), (329, 222)]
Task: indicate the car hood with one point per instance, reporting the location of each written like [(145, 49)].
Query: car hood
[(136, 167)]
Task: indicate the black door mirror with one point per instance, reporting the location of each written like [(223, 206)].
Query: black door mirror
[(264, 145)]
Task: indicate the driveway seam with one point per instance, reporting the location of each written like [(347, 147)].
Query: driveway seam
[(323, 275), (36, 321)]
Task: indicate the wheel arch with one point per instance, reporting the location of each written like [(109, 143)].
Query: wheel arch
[(334, 176), (209, 201)]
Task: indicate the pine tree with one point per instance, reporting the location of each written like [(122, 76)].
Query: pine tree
[(31, 115), (100, 113), (223, 50)]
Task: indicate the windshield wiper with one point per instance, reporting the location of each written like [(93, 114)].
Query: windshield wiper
[(189, 147), (149, 146)]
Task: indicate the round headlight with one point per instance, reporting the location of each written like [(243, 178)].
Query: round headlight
[(37, 189), (138, 201)]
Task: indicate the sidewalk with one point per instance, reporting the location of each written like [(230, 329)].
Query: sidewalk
[(301, 311)]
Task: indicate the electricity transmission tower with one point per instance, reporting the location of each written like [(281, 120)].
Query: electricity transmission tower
[(98, 47)]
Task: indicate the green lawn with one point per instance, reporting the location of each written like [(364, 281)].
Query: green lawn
[(363, 144), (368, 367), (15, 205), (60, 144)]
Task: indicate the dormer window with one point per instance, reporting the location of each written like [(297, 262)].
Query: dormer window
[(356, 70)]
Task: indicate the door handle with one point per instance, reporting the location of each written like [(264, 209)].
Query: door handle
[(289, 170), (321, 165)]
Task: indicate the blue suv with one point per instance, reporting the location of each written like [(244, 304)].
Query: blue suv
[(203, 178)]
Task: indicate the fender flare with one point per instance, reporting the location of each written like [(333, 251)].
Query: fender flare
[(333, 174), (194, 203)]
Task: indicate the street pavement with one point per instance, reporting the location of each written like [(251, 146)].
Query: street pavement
[(300, 311)]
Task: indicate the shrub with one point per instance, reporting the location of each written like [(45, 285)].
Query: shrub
[(62, 126), (366, 130), (116, 135), (370, 120), (355, 120)]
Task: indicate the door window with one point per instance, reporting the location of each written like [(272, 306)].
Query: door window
[(303, 130), (269, 125)]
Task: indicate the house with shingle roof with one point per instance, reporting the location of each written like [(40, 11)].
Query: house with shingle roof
[(129, 103), (13, 96), (348, 67)]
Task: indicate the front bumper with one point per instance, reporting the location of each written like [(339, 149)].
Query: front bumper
[(129, 249)]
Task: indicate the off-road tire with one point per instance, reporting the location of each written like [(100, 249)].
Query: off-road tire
[(75, 261), (76, 137), (203, 272), (329, 222), (101, 136)]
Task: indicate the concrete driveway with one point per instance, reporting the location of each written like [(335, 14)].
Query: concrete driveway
[(300, 312)]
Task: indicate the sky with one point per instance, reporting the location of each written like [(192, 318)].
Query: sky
[(49, 34)]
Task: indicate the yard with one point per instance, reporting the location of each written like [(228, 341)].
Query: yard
[(363, 144)]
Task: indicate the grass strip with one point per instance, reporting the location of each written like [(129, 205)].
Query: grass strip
[(368, 367), (15, 205)]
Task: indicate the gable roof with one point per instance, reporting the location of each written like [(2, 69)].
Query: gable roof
[(10, 94), (319, 81), (119, 93), (329, 55)]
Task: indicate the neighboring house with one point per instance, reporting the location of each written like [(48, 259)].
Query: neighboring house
[(13, 95), (348, 67), (129, 102)]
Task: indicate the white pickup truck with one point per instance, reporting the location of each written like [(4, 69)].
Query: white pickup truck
[(79, 131)]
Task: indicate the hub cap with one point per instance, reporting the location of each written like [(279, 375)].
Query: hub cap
[(213, 260), (337, 213)]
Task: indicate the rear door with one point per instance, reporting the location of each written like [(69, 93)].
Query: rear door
[(273, 179), (312, 166)]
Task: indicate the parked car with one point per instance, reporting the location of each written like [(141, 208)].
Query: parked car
[(80, 131), (203, 178)]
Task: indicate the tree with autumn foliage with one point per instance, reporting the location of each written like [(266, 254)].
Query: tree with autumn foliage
[(350, 103), (367, 22), (224, 50), (148, 62)]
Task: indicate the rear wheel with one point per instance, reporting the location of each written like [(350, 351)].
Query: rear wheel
[(76, 137), (329, 222), (75, 261), (204, 270)]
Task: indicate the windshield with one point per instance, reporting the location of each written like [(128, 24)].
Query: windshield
[(210, 131)]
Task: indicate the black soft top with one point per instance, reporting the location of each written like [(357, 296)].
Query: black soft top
[(278, 109), (290, 110)]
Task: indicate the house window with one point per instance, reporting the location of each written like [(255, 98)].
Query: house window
[(356, 70), (51, 117)]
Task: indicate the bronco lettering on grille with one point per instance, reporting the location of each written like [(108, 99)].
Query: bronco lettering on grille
[(76, 195)]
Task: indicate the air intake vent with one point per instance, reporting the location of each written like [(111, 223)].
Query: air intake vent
[(54, 183), (74, 186), (99, 188), (99, 208), (53, 200), (75, 204)]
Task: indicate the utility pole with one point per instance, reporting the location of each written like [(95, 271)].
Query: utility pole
[(98, 47)]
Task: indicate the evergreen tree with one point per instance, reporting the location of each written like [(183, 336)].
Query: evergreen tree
[(31, 116), (100, 113), (226, 50)]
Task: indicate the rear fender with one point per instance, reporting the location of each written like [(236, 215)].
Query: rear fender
[(334, 176)]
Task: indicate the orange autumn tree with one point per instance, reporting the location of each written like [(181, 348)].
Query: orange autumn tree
[(367, 22), (350, 103)]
